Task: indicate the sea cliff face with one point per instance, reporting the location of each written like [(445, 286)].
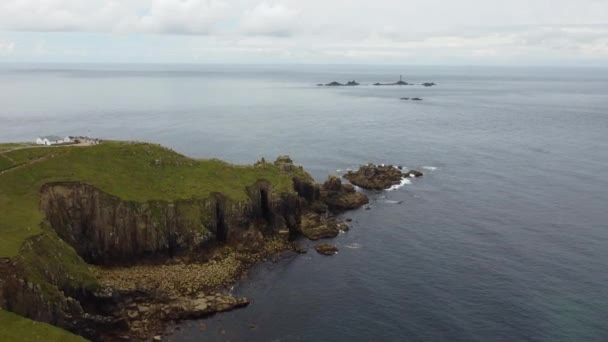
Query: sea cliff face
[(105, 230)]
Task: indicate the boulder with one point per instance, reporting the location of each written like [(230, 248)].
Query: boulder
[(326, 249)]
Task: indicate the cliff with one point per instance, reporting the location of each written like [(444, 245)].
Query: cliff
[(103, 229)]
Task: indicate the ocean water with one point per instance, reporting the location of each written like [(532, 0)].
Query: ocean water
[(505, 238)]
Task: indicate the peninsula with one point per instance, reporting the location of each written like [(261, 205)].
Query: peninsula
[(113, 240)]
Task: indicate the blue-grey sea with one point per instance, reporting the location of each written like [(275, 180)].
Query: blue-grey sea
[(505, 238)]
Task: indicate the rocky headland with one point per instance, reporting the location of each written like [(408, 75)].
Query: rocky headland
[(119, 239)]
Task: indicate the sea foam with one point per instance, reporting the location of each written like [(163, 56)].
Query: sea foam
[(404, 181)]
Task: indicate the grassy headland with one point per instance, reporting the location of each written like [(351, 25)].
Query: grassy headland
[(131, 171)]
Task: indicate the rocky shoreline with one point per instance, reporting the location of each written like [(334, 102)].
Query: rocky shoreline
[(153, 297), (110, 269)]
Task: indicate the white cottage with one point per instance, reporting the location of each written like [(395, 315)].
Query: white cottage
[(53, 140)]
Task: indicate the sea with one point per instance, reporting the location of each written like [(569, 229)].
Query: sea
[(505, 238)]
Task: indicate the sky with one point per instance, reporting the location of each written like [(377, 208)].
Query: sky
[(460, 32)]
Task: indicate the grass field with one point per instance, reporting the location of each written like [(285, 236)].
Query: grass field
[(19, 329), (132, 171), (12, 146)]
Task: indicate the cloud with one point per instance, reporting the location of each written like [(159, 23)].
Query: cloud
[(6, 48), (179, 17), (396, 31), (268, 19), (157, 16)]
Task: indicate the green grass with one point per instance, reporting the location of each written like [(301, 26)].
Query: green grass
[(5, 163), (132, 171), (11, 146), (27, 155), (16, 328), (50, 260)]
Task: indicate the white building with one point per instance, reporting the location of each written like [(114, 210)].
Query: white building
[(53, 140)]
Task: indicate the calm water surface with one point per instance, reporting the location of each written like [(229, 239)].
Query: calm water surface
[(504, 239)]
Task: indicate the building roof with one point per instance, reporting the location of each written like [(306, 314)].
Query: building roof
[(52, 137)]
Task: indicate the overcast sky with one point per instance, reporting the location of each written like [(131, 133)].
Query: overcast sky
[(509, 32)]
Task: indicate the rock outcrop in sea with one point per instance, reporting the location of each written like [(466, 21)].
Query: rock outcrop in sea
[(379, 177), (326, 249), (338, 84)]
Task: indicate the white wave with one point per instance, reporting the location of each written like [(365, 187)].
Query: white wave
[(404, 182), (353, 245), (431, 168), (393, 202), (339, 170)]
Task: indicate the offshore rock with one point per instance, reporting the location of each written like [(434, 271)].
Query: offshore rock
[(377, 177), (413, 174), (326, 249)]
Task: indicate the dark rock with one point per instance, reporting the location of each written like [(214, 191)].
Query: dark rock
[(376, 177), (416, 99), (338, 84), (349, 220), (343, 227), (349, 188), (428, 84), (339, 197), (405, 98), (326, 249), (413, 174), (284, 163), (401, 82), (299, 249), (333, 183), (316, 227)]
